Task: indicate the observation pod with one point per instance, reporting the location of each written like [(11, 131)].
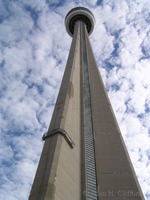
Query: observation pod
[(79, 14)]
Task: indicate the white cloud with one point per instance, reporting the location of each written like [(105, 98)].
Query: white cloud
[(32, 61), (91, 2)]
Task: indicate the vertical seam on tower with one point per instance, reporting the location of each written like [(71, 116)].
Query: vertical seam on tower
[(91, 181), (83, 159)]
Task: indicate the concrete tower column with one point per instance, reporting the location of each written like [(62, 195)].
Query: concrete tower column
[(58, 173), (84, 155)]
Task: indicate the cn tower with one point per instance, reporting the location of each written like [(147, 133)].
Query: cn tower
[(84, 155)]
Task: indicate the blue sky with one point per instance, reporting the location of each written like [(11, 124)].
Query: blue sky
[(34, 47)]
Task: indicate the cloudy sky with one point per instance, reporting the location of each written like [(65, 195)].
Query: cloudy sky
[(34, 47)]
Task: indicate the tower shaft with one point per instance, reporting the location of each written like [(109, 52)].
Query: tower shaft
[(84, 156), (58, 174), (115, 176)]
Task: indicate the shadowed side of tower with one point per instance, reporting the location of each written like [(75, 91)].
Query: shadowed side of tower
[(116, 179), (84, 156)]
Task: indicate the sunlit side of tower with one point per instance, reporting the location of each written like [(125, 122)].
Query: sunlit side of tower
[(84, 156)]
